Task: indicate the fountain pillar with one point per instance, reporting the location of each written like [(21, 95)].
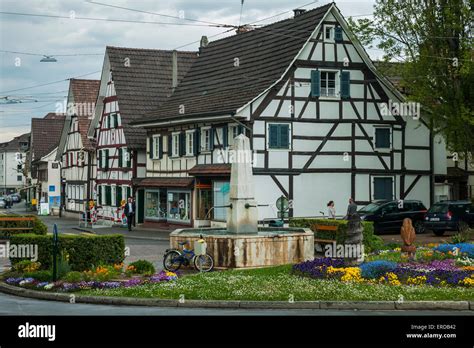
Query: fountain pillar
[(242, 214)]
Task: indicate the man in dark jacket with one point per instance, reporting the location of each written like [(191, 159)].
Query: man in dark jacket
[(130, 210), (351, 209)]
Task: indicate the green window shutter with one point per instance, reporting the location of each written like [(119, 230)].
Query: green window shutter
[(315, 83), (120, 157), (273, 136), (129, 155), (160, 147), (170, 145), (225, 136), (382, 138), (129, 192), (211, 139), (99, 164), (118, 190), (99, 194), (112, 121), (345, 84), (197, 142), (151, 147), (338, 34), (240, 130), (182, 144), (108, 195), (106, 155), (284, 136)]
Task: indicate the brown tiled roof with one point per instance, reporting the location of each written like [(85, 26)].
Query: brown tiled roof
[(14, 144), (143, 84), (54, 116), (210, 169), (165, 182), (214, 84), (45, 135), (84, 93)]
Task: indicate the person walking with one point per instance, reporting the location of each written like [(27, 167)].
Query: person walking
[(130, 212), (351, 209), (331, 210)]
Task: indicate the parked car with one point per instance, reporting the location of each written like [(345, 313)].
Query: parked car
[(15, 197), (388, 216), (3, 202), (449, 216)]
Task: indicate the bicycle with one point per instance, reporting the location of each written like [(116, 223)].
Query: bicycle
[(174, 259)]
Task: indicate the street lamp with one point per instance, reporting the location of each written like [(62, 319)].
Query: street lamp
[(48, 59)]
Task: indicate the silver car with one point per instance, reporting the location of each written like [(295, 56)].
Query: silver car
[(3, 203)]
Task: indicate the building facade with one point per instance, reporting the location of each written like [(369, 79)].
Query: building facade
[(322, 123), (133, 82), (12, 164)]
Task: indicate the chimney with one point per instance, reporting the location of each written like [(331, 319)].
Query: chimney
[(298, 11), (244, 29), (204, 42), (174, 75)]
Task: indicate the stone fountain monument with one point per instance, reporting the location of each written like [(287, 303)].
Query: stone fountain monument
[(243, 244)]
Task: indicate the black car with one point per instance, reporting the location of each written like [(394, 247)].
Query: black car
[(388, 216), (449, 216)]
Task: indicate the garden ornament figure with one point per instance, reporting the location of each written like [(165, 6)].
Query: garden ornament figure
[(407, 232)]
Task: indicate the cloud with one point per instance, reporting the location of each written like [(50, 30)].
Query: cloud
[(71, 36)]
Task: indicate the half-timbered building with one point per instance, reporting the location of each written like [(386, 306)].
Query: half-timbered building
[(324, 125), (133, 83), (76, 151)]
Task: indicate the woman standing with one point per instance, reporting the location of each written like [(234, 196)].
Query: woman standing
[(331, 210)]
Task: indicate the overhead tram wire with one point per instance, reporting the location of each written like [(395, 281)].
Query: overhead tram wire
[(53, 55), (104, 19), (50, 83), (161, 14)]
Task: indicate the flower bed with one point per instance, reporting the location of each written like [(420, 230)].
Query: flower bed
[(437, 265), (65, 286)]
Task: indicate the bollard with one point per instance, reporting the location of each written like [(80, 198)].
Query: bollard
[(55, 252)]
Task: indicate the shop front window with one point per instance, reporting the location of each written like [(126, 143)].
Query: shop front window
[(155, 205), (179, 206), (204, 204)]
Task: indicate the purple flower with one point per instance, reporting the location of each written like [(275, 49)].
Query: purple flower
[(317, 268), (14, 280), (132, 282)]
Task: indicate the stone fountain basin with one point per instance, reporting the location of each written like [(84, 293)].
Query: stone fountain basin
[(269, 246)]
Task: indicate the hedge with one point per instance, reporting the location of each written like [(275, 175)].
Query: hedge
[(38, 226), (82, 251), (371, 241)]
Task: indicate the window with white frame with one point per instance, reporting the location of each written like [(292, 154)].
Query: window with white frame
[(205, 139), (329, 33), (106, 122), (233, 132), (156, 146), (102, 195), (190, 142), (113, 195), (175, 145), (382, 138), (279, 136), (328, 84)]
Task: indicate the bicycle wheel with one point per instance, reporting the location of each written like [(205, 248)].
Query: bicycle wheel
[(172, 260), (204, 263)]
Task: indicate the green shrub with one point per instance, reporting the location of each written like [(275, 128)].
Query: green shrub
[(73, 277), (142, 267), (371, 241), (39, 227), (42, 275), (81, 252)]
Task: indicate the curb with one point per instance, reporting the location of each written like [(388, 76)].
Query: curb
[(323, 305)]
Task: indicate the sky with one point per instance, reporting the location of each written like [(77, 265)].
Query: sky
[(42, 86)]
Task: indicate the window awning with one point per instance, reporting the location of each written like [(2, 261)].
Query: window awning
[(165, 182), (221, 169)]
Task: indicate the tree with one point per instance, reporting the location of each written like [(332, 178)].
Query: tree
[(434, 40)]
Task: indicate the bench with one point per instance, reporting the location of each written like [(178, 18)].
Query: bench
[(331, 228), (30, 221)]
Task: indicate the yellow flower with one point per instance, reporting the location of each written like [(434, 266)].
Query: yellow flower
[(468, 281), (390, 278), (419, 280), (351, 274)]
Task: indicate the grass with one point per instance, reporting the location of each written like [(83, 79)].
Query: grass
[(277, 284)]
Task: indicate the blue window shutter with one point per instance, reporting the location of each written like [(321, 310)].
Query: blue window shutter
[(160, 147), (284, 136), (315, 83), (151, 147), (211, 139), (388, 188), (345, 84), (273, 136), (225, 136), (120, 157), (182, 144), (108, 195), (197, 142), (338, 34), (170, 145)]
